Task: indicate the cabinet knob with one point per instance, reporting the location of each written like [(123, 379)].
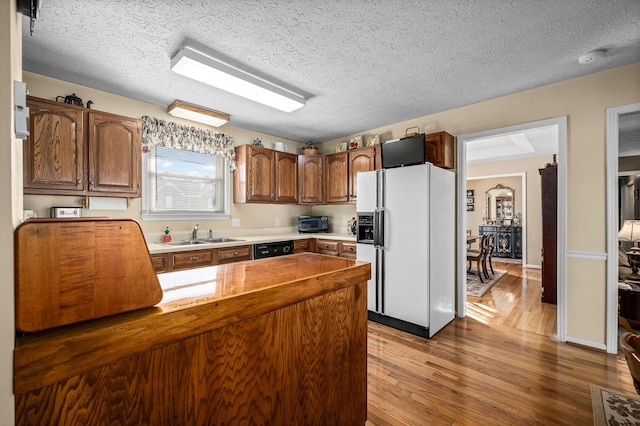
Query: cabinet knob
[(235, 253), (193, 258)]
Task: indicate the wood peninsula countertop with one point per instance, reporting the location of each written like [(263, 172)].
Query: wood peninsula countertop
[(256, 326)]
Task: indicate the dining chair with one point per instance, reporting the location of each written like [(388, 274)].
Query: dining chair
[(491, 244), (478, 256)]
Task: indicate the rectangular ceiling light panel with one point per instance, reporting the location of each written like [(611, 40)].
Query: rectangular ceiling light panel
[(196, 113), (216, 73)]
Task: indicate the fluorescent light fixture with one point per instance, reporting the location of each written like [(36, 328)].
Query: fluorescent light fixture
[(223, 75), (196, 113)]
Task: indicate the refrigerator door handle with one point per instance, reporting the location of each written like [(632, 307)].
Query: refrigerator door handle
[(382, 283), (378, 228)]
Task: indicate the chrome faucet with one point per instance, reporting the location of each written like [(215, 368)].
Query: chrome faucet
[(211, 234), (194, 233)]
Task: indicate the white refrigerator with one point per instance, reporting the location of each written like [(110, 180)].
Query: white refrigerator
[(406, 229)]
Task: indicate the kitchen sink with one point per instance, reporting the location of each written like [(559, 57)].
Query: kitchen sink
[(185, 243), (217, 240)]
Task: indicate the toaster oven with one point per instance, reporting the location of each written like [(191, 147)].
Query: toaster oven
[(313, 224)]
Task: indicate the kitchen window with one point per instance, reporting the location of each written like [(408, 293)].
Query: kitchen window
[(184, 185)]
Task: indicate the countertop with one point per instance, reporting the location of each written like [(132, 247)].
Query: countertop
[(194, 302), (157, 247)]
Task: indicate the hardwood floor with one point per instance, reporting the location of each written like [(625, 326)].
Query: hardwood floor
[(501, 365)]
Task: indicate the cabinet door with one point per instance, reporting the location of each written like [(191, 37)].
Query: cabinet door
[(53, 154), (439, 149), (303, 246), (286, 177), (160, 262), (310, 169), (114, 154), (336, 182), (361, 160), (261, 174)]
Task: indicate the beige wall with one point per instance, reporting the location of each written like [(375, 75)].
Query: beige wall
[(251, 216), (10, 199), (584, 101)]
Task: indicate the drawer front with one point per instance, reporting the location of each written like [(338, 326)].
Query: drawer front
[(234, 254), (192, 259), (349, 250), (159, 262), (329, 252), (302, 246), (328, 245)]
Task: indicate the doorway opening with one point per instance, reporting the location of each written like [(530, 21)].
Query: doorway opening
[(614, 140), (518, 148)]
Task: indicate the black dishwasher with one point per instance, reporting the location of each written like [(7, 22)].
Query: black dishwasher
[(278, 248)]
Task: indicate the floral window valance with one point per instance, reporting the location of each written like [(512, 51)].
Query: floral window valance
[(178, 136)]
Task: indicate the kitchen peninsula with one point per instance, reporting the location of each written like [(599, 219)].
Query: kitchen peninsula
[(270, 341)]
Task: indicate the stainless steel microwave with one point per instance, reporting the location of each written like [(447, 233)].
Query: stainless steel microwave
[(313, 224)]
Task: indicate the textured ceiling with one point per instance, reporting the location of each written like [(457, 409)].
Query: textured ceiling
[(362, 64)]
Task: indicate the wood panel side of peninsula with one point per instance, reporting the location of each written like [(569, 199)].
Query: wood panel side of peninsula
[(259, 348)]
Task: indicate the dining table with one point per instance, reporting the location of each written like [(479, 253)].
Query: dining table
[(472, 238)]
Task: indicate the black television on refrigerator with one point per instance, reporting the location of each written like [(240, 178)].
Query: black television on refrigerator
[(403, 152)]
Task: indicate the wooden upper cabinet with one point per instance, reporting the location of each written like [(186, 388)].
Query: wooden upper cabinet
[(341, 173), (265, 176), (53, 154), (336, 172), (361, 160), (310, 178), (439, 147), (261, 174), (114, 154), (77, 151), (286, 177)]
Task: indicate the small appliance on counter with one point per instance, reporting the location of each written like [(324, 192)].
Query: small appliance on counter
[(308, 224), (66, 212)]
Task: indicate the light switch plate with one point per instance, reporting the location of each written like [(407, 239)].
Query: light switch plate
[(235, 221)]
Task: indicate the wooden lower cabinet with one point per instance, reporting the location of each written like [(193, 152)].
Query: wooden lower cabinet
[(330, 247), (337, 248), (191, 259), (302, 246), (232, 254), (348, 250), (160, 262), (176, 261)]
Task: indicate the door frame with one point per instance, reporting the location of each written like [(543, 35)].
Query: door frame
[(462, 140), (613, 128)]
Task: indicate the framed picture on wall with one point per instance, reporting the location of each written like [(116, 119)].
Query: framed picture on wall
[(470, 192), (470, 200), (469, 207)]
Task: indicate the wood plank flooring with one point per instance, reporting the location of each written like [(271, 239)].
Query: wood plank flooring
[(501, 365)]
